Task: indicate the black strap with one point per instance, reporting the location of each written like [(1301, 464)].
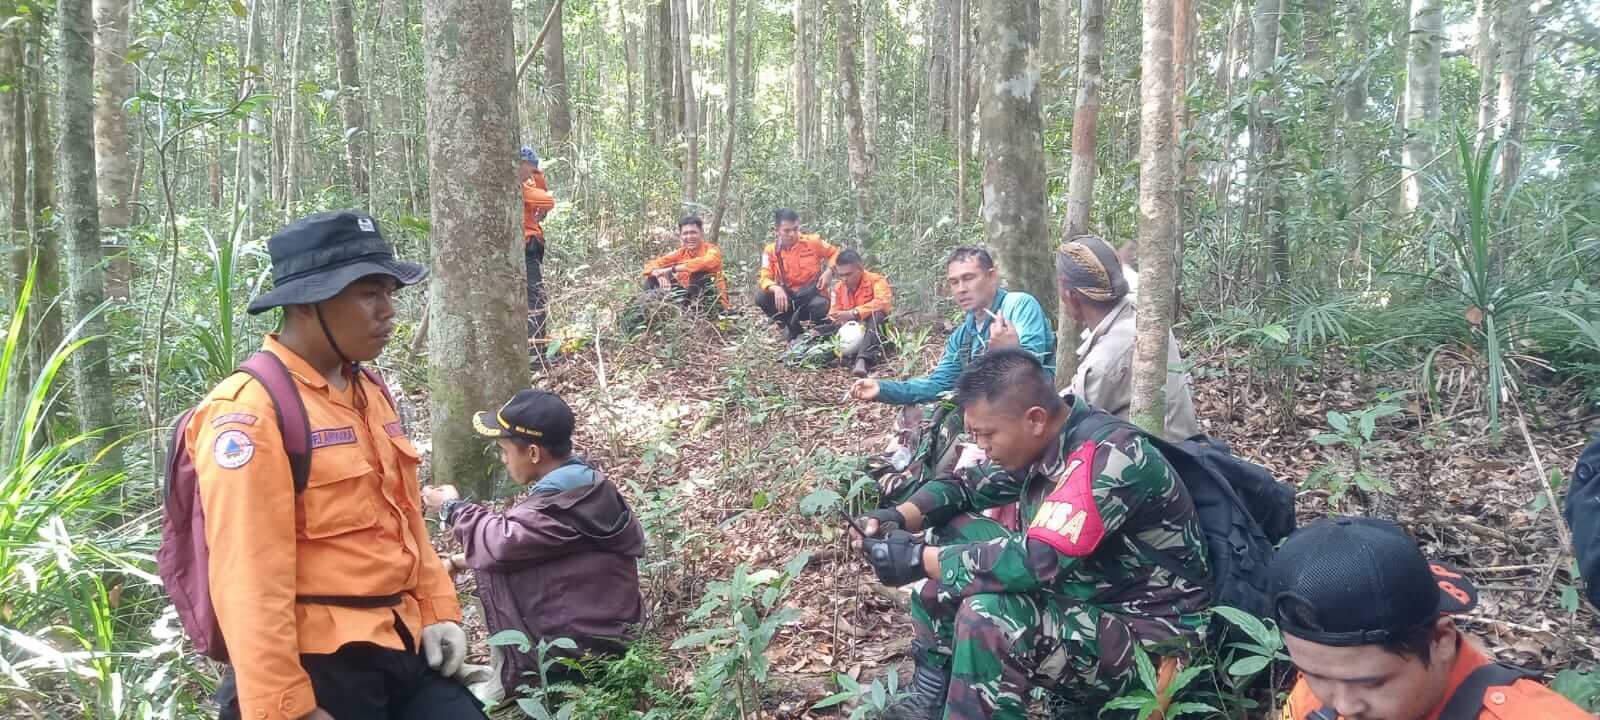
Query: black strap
[(1466, 703), (351, 601)]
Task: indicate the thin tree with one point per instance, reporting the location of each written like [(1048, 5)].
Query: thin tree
[(860, 166), (1158, 219), (555, 80), (477, 307), (1355, 106), (15, 132), (1485, 52), (1511, 98), (939, 26), (1422, 99), (871, 20), (45, 244), (962, 125), (1266, 137), (732, 116), (96, 396), (113, 144), (291, 150), (352, 105), (691, 115), (1011, 141), (1080, 179), (665, 62)]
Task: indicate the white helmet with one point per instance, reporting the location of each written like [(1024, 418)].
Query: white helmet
[(852, 337)]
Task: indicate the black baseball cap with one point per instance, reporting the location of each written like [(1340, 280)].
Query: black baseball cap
[(318, 256), (1348, 581), (540, 417)]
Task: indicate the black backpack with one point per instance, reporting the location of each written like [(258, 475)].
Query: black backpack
[(1243, 512)]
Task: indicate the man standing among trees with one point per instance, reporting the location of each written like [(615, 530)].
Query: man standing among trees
[(331, 599), (536, 203), (1096, 294), (795, 272), (695, 268), (1065, 601)]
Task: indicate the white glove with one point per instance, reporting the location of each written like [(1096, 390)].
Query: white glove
[(444, 646)]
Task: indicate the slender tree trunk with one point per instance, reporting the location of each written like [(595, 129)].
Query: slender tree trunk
[(1227, 71), (555, 80), (96, 395), (113, 149), (939, 26), (1484, 54), (630, 63), (249, 156), (1080, 179), (46, 248), (351, 106), (15, 132), (962, 125), (804, 83), (732, 130), (871, 14), (1158, 219), (1355, 105), (1515, 43), (1011, 140), (1422, 98), (476, 307), (291, 151), (1183, 35), (666, 61), (849, 29), (1266, 139), (691, 113)]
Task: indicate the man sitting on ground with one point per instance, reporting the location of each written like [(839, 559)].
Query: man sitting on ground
[(695, 268), (562, 562), (1366, 619), (1583, 517), (1095, 293), (1063, 602), (795, 272), (863, 297)]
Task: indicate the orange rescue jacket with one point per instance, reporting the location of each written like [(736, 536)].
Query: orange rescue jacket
[(871, 294), (705, 259), (536, 203), (800, 264), (356, 530)]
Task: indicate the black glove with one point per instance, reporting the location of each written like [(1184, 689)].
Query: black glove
[(889, 520), (897, 558)]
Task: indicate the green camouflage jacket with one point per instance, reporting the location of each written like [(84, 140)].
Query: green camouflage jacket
[(1092, 510)]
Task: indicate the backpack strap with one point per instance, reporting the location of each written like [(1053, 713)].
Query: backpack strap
[(376, 379), (293, 423), (1466, 703)]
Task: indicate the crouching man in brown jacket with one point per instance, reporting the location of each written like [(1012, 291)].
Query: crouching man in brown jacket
[(562, 562)]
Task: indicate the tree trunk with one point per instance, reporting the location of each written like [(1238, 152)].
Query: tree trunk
[(804, 82), (291, 151), (46, 249), (1227, 71), (113, 146), (1512, 85), (96, 395), (630, 67), (732, 130), (1158, 220), (691, 113), (1355, 106), (555, 80), (962, 125), (939, 26), (665, 62), (252, 167), (1422, 99), (1080, 179), (1011, 141), (351, 107), (871, 14), (477, 306), (1183, 35), (849, 29), (1484, 53), (15, 132), (1266, 139), (394, 126)]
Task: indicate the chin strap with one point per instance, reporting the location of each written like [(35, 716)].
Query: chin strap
[(360, 395)]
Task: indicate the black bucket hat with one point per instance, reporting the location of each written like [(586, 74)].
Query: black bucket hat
[(318, 256)]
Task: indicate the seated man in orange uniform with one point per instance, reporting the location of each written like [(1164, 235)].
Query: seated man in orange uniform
[(1366, 619), (863, 297), (796, 270), (695, 268)]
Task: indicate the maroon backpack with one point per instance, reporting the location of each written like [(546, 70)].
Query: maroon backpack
[(183, 558)]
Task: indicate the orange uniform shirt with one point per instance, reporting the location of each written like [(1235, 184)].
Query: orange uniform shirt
[(1521, 700), (705, 259), (357, 529), (536, 203), (871, 294), (800, 264)]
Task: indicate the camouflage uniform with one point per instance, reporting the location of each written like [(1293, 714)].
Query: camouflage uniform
[(1060, 605)]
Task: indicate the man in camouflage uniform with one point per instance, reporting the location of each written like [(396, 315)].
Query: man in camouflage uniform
[(1060, 604)]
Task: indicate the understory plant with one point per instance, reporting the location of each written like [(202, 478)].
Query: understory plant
[(738, 619)]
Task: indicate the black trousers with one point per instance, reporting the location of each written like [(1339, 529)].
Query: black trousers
[(702, 290), (362, 681), (806, 305), (872, 351), (533, 253)]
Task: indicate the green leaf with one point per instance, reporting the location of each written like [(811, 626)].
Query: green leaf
[(1245, 667), (1582, 688), (819, 501), (1276, 332), (1191, 708), (701, 639), (1569, 599), (1131, 701), (1328, 439), (511, 637), (238, 8), (1147, 671), (1338, 421), (1251, 625), (759, 501)]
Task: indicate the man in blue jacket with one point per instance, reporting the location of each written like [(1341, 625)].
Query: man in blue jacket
[(995, 318)]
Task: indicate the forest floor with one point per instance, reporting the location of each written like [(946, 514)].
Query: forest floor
[(716, 442)]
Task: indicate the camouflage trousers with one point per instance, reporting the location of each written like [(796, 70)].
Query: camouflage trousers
[(999, 647)]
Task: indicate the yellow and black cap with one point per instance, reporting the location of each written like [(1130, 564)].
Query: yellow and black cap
[(537, 416)]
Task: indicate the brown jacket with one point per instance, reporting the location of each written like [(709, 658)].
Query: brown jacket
[(556, 565)]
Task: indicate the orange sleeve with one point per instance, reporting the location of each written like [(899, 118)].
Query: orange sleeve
[(882, 298), (666, 260), (537, 199), (764, 281), (709, 261), (247, 495), (539, 179), (839, 298), (827, 250)]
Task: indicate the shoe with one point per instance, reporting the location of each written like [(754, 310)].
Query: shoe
[(926, 691), (860, 370)]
